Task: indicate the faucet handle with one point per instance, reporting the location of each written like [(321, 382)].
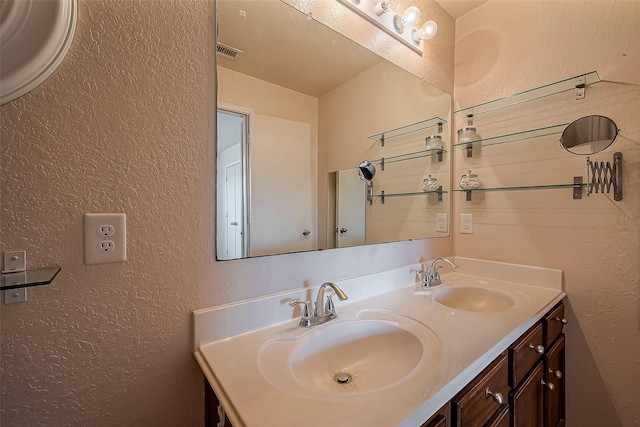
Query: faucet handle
[(306, 308), (329, 307)]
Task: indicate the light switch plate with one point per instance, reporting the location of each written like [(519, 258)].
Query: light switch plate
[(466, 223), (442, 222), (105, 238)]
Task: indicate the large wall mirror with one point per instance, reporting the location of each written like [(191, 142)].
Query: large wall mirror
[(300, 106)]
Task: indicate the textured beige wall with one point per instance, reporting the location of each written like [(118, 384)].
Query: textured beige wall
[(127, 124), (505, 47)]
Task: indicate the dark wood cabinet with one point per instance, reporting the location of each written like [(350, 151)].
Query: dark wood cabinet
[(527, 401), (525, 353), (487, 394), (439, 419), (554, 387)]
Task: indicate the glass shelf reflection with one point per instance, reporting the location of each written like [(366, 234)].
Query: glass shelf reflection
[(414, 127)]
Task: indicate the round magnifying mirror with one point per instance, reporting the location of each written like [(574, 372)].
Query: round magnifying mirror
[(589, 135), (366, 170)]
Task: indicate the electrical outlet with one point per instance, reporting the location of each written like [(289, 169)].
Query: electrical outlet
[(442, 222), (105, 238), (466, 223), (106, 230), (106, 246)]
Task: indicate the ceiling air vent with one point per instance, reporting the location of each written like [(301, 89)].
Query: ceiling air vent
[(227, 51)]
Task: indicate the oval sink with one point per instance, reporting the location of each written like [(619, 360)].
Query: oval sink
[(475, 299), (375, 351)]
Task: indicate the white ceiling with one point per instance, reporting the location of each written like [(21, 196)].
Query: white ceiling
[(457, 8), (283, 47)]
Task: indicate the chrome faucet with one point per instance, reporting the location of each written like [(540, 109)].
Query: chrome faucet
[(322, 312), (432, 277)]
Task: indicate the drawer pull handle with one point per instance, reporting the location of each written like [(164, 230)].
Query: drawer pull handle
[(563, 320), (537, 348), (498, 397), (550, 386), (558, 373)]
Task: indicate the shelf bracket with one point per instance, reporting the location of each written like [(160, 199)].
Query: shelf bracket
[(468, 195), (439, 191), (469, 149), (382, 196), (382, 139), (580, 87), (440, 127), (470, 119), (382, 163), (440, 151), (577, 187), (617, 176)]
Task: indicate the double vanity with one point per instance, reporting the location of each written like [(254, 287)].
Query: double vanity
[(397, 354)]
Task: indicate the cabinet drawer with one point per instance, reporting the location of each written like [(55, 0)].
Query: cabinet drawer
[(553, 324), (524, 353), (474, 405), (501, 419)]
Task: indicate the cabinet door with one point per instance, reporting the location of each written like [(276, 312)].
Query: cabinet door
[(476, 404), (527, 401), (438, 421), (554, 378)]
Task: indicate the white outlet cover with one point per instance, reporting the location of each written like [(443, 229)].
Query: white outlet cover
[(93, 224)]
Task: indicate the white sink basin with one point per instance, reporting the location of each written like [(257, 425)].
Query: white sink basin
[(475, 299), (374, 351)]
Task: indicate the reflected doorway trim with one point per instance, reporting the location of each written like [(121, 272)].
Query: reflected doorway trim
[(246, 171)]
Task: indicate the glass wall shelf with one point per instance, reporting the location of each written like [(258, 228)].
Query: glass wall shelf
[(410, 156), (28, 278), (577, 83), (439, 192), (414, 127), (512, 137), (521, 187)]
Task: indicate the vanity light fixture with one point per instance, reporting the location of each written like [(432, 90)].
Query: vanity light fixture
[(402, 27)]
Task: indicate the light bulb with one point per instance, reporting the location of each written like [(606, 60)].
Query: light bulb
[(408, 18), (426, 32), (411, 16)]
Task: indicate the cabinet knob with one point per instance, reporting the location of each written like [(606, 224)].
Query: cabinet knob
[(563, 320), (498, 397), (306, 232), (343, 230), (550, 386), (558, 374), (537, 348)]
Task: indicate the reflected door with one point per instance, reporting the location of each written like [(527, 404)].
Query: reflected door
[(350, 207), (283, 200), (233, 193), (232, 224)]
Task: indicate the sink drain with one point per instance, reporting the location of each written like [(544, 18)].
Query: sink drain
[(342, 378)]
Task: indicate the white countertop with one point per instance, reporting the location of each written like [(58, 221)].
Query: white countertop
[(469, 342)]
